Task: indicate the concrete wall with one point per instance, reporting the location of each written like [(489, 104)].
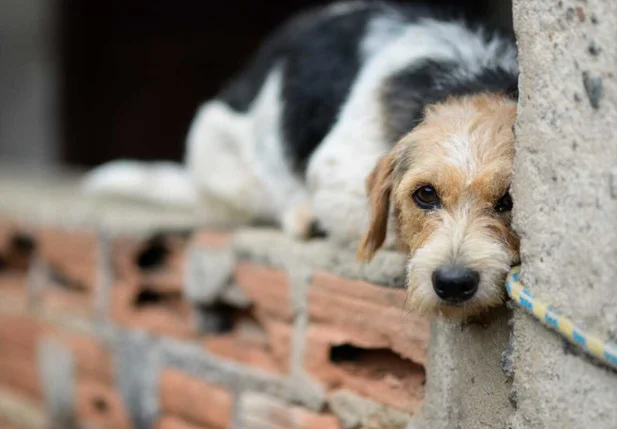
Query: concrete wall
[(565, 191), (101, 327)]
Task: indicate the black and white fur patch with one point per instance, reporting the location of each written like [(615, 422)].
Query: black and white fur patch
[(293, 136)]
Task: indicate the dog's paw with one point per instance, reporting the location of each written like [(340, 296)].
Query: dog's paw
[(298, 222)]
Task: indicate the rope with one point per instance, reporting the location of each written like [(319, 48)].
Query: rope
[(592, 345)]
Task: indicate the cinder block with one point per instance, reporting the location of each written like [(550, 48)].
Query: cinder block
[(359, 338), (100, 406), (195, 400), (260, 411)]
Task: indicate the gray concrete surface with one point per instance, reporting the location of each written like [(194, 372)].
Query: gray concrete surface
[(356, 412), (57, 372), (566, 207), (51, 196), (466, 385)]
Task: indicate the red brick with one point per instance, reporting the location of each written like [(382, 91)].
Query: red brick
[(20, 329), (7, 425), (19, 371), (60, 300), (172, 422), (260, 411), (13, 289), (256, 340), (375, 372), (268, 288), (389, 345), (195, 400), (18, 356), (373, 311), (100, 406), (169, 275), (93, 359), (171, 315), (72, 253)]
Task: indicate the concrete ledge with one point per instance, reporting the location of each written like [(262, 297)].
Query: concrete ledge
[(52, 197)]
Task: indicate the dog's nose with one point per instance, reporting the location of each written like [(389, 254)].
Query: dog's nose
[(455, 284)]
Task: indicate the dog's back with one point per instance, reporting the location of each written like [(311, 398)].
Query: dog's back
[(321, 52), (293, 136)]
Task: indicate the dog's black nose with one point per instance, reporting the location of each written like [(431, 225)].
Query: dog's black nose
[(455, 284)]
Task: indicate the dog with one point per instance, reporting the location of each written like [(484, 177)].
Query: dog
[(407, 106)]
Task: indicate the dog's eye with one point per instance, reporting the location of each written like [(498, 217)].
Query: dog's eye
[(504, 204), (426, 198)]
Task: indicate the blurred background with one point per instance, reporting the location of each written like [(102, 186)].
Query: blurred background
[(86, 81)]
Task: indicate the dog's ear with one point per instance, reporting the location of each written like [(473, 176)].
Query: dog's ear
[(378, 189)]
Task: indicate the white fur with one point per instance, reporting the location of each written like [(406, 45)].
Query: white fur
[(459, 154), (161, 183), (239, 158)]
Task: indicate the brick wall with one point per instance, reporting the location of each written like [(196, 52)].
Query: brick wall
[(181, 329)]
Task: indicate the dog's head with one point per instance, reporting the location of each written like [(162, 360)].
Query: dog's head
[(447, 184)]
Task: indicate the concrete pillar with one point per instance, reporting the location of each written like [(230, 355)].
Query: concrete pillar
[(565, 192), (467, 387)]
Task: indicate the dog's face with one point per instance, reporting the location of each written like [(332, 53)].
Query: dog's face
[(447, 185)]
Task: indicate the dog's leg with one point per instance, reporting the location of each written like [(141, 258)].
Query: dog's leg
[(218, 141), (162, 183), (298, 221)]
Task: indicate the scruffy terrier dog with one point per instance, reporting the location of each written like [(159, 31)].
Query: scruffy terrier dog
[(410, 100)]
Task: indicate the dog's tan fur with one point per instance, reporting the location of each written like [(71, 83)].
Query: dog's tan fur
[(464, 148)]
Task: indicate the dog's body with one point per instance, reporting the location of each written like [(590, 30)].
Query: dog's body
[(294, 137)]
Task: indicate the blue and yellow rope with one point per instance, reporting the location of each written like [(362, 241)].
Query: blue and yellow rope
[(591, 344)]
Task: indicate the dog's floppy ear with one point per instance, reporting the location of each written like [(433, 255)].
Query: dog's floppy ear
[(378, 189)]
